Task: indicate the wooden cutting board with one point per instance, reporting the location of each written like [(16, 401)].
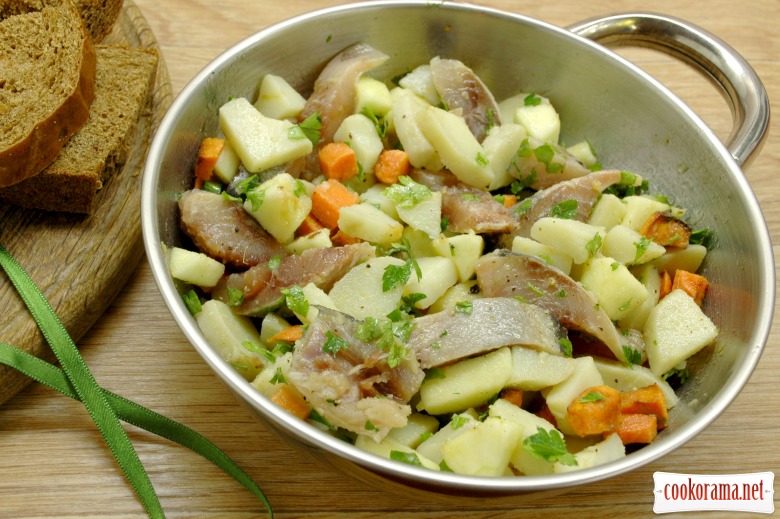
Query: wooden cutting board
[(81, 263)]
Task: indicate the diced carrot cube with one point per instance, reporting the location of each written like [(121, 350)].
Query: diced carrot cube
[(636, 428), (309, 225), (513, 396), (288, 399), (391, 165), (328, 199), (210, 148), (595, 411), (645, 400), (509, 200), (545, 413), (693, 284), (667, 230), (338, 161), (666, 285), (340, 238)]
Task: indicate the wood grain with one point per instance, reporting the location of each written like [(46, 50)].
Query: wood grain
[(54, 464)]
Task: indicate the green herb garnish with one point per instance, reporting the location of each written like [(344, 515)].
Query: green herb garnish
[(192, 302), (407, 193), (549, 446), (296, 300), (633, 356), (593, 396), (566, 209), (235, 297), (333, 343), (310, 128)]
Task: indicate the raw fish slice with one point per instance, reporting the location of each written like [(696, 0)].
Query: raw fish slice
[(505, 274), (468, 208)]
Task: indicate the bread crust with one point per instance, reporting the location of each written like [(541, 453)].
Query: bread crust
[(40, 147)]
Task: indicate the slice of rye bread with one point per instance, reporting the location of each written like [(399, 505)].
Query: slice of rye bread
[(125, 77), (47, 79), (98, 15)]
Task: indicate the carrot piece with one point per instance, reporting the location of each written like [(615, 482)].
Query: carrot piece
[(637, 428), (509, 200), (595, 411), (667, 230), (645, 400), (666, 285), (693, 284), (391, 165), (286, 398), (545, 413), (309, 225), (340, 238), (210, 148), (289, 334), (513, 396), (338, 161), (328, 199)]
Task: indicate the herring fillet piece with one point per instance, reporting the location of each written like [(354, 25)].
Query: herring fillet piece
[(355, 385), (504, 273), (494, 322)]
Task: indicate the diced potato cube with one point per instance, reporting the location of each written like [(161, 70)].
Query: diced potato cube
[(484, 450), (272, 324), (610, 449), (457, 147), (647, 275), (533, 370), (372, 95), (424, 216), (540, 121), (420, 81), (421, 152), (554, 257), (639, 209), (226, 167), (521, 459), (316, 297), (359, 293), (368, 223), (277, 99), (463, 249), (420, 244), (230, 334), (261, 142), (616, 290), (584, 153), (359, 132), (280, 204), (438, 274), (418, 427), (559, 396), (501, 145), (466, 383), (458, 424), (316, 240), (608, 211), (194, 267), (629, 247), (375, 195), (390, 448), (676, 329), (267, 380), (466, 291), (689, 259), (576, 239)]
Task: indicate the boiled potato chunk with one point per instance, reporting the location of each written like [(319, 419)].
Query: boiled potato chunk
[(608, 212), (689, 258), (418, 427), (467, 383), (484, 450), (521, 459), (647, 275), (388, 446), (420, 81), (501, 145), (368, 223), (375, 195), (424, 216), (260, 142), (676, 329), (559, 396), (316, 298), (359, 293), (540, 120), (554, 257), (359, 132), (228, 333), (457, 147), (576, 239), (463, 249), (438, 274), (421, 152), (616, 290), (271, 325), (610, 449), (533, 370), (316, 240), (372, 95), (584, 153), (639, 209), (194, 267), (629, 247), (622, 377), (459, 424), (277, 99), (420, 244), (458, 293), (226, 167), (267, 380), (280, 204)]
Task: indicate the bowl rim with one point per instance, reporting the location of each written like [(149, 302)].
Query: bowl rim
[(318, 439)]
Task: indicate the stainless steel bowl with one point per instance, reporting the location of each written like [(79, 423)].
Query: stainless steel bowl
[(632, 120)]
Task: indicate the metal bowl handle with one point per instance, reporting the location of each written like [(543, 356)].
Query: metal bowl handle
[(741, 86)]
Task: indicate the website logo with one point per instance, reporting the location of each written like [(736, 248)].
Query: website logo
[(733, 492)]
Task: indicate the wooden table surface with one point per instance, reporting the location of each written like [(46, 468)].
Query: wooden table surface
[(53, 462)]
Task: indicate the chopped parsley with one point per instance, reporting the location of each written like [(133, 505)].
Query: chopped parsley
[(407, 193), (701, 237), (256, 197), (406, 457), (333, 343), (561, 293), (278, 377), (310, 128), (469, 196), (390, 337), (235, 296), (192, 302), (242, 187), (593, 396), (458, 421), (566, 346), (434, 373), (566, 209), (532, 100), (594, 245), (316, 417), (535, 290), (380, 122), (549, 446), (615, 265), (397, 275), (482, 159), (641, 247), (464, 307), (274, 263), (296, 300), (682, 374), (212, 187), (445, 223), (633, 356)]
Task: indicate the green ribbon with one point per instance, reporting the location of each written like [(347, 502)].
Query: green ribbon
[(106, 408)]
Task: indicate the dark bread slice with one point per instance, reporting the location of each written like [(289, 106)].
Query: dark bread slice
[(99, 16), (47, 79), (125, 76)]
